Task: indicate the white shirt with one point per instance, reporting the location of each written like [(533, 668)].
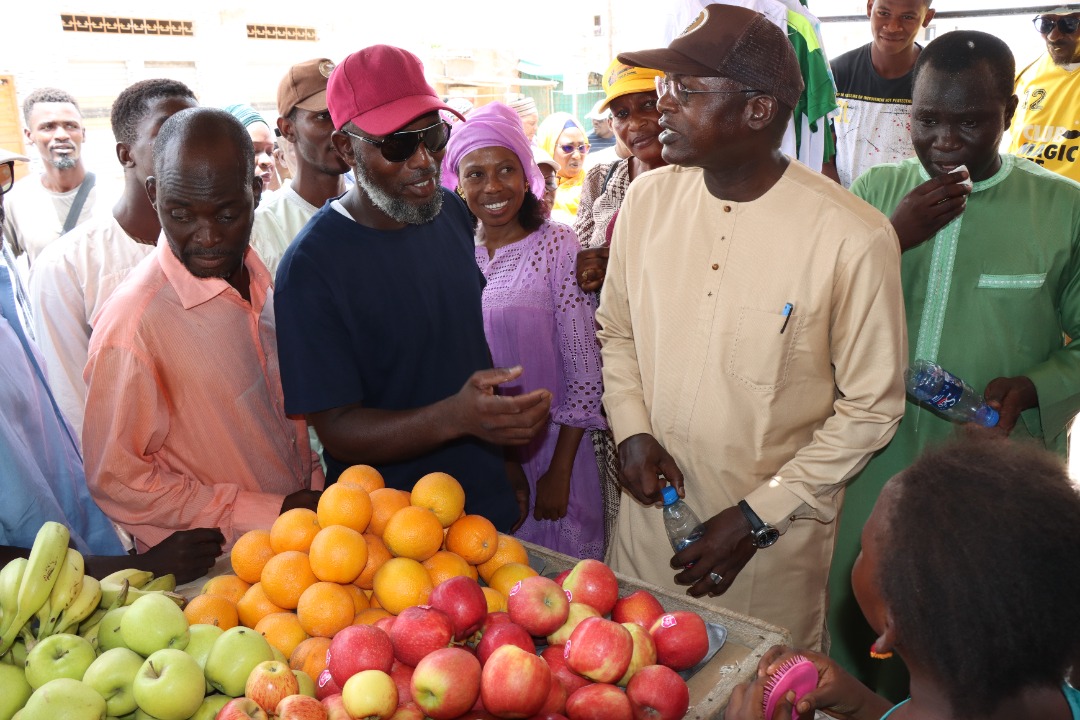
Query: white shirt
[(277, 222), (70, 280), (35, 215)]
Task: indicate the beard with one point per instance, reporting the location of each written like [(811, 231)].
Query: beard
[(396, 207), (63, 162)]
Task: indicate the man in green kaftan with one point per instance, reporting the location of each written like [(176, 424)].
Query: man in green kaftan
[(991, 279)]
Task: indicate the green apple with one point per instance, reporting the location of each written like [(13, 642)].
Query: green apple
[(58, 656), (232, 658), (108, 635), (307, 685), (64, 698), (112, 675), (279, 656), (16, 690), (169, 685), (203, 637), (210, 707), (152, 623)]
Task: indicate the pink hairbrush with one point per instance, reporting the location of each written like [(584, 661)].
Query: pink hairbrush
[(796, 674)]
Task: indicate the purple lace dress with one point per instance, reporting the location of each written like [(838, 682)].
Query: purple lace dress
[(535, 316)]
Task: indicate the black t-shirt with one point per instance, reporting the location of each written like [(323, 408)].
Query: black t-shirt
[(390, 320)]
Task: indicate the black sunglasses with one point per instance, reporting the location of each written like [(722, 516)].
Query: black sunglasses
[(1066, 25), (400, 146), (7, 176)]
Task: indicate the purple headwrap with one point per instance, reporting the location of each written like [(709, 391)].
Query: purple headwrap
[(493, 125)]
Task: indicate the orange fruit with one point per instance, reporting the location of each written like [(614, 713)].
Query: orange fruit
[(250, 553), (285, 578), (338, 554), (384, 503), (359, 597), (441, 494), (444, 565), (254, 606), (212, 610), (496, 602), (370, 616), (282, 630), (510, 550), (413, 532), (504, 578), (348, 505), (363, 476), (294, 530), (227, 586), (324, 609), (377, 554), (401, 583), (374, 602), (474, 538), (310, 656)]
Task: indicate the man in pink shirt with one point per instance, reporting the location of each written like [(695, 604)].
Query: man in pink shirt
[(185, 423)]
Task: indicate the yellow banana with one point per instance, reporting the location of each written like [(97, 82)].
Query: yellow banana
[(10, 578), (81, 608), (42, 616), (67, 588), (135, 578), (135, 593), (113, 595), (91, 636), (91, 620), (162, 582), (39, 577)]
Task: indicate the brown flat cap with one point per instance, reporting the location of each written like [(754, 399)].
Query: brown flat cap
[(732, 42), (304, 86)]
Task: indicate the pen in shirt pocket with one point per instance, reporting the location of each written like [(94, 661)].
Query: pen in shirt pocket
[(786, 312)]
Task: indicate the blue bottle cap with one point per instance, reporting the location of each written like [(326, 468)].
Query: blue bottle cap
[(670, 495), (988, 416)]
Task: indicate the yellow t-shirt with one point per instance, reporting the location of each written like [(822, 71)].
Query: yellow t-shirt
[(1046, 128)]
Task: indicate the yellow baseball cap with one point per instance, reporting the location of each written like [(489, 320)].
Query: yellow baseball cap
[(620, 79)]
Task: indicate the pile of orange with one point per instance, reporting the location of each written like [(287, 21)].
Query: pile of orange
[(368, 552)]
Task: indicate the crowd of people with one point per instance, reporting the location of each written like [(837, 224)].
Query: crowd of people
[(387, 277)]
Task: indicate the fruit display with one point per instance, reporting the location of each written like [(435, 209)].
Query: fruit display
[(380, 605)]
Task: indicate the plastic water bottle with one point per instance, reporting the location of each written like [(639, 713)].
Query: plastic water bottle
[(682, 525), (931, 384)]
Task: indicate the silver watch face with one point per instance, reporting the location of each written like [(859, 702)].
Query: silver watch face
[(766, 536)]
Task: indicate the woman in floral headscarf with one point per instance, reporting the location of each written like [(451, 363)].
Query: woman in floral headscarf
[(563, 138), (536, 316)]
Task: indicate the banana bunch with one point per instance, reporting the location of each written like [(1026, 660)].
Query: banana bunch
[(50, 591)]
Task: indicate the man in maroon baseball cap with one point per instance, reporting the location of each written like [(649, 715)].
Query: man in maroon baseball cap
[(753, 333), (380, 327)]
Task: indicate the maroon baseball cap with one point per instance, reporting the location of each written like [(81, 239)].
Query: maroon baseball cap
[(381, 89)]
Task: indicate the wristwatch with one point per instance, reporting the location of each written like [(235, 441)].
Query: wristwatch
[(762, 533)]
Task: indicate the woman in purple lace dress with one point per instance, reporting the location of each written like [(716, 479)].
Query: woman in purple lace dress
[(536, 316)]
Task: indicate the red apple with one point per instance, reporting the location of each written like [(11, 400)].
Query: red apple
[(496, 618), (578, 612), (241, 708), (681, 638), (402, 675), (599, 702), (644, 651), (556, 699), (269, 682), (640, 607), (508, 633), (408, 712), (562, 576), (549, 716), (593, 583), (335, 708), (300, 707), (463, 601), (657, 692), (538, 604), (370, 694), (553, 655), (385, 623), (446, 683), (599, 649), (418, 631), (357, 648), (326, 685), (514, 683)]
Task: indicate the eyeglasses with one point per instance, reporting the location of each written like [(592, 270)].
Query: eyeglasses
[(1066, 25), (7, 176), (583, 148), (682, 94), (400, 146)]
